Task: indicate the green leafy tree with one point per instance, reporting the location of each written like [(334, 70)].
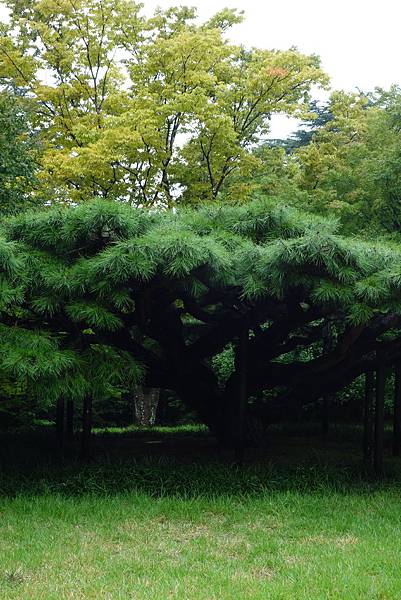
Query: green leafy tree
[(320, 115), (352, 164), (18, 154), (150, 111)]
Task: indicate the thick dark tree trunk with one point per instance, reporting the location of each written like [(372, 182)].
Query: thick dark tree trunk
[(86, 428), (379, 419), (199, 390), (243, 396), (397, 410), (327, 400), (326, 405), (146, 400), (60, 424), (233, 405), (70, 420), (368, 412)]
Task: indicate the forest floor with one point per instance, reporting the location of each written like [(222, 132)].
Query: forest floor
[(163, 514)]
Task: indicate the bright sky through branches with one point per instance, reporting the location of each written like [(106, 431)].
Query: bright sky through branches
[(357, 40)]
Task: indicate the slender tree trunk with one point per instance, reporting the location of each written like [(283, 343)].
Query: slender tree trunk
[(397, 410), (60, 424), (327, 400), (326, 405), (368, 434), (243, 397), (86, 427), (146, 400), (379, 418), (70, 420)]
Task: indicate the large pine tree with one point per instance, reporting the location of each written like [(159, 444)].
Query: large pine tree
[(103, 294)]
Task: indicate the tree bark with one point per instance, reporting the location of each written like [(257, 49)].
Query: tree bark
[(368, 434), (397, 410), (243, 396), (326, 405), (70, 420), (60, 424), (146, 400), (328, 345), (379, 418), (86, 428)]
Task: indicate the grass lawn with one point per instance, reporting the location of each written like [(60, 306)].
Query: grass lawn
[(156, 529)]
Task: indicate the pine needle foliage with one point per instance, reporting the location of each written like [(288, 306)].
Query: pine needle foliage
[(103, 295)]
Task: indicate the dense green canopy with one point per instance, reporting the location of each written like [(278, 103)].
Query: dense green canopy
[(103, 294), (19, 148)]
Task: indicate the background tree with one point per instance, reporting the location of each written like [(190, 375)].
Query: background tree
[(146, 110), (320, 115), (19, 151), (351, 165)]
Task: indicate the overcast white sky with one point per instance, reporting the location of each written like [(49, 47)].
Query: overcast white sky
[(359, 41)]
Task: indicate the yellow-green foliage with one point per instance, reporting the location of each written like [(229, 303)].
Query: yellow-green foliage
[(147, 110)]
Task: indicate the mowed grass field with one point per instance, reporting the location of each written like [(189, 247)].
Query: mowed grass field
[(155, 528), (281, 546)]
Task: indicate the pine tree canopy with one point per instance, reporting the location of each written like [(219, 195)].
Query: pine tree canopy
[(102, 295)]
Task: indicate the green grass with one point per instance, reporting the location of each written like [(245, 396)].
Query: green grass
[(136, 528), (177, 430), (281, 545)]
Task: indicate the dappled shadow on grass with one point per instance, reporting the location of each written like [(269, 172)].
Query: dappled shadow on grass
[(187, 464)]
